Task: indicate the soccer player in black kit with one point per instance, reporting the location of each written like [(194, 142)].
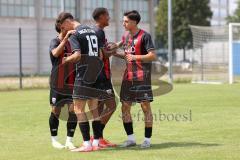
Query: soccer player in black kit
[(86, 54), (61, 87), (101, 17)]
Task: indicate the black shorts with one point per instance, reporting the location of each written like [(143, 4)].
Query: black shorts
[(59, 99), (107, 87), (136, 91), (83, 90)]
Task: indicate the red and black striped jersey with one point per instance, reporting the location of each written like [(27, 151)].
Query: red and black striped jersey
[(139, 44), (62, 75)]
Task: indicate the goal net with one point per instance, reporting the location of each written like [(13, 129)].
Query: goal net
[(216, 55)]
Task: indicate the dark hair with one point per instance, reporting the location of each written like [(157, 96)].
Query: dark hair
[(57, 28), (133, 15), (63, 16), (98, 12)]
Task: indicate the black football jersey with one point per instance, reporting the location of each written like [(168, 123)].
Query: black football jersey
[(85, 40)]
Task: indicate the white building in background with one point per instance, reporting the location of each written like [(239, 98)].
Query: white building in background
[(37, 17), (222, 9)]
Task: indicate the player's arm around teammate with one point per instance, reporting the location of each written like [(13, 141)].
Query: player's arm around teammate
[(59, 95)]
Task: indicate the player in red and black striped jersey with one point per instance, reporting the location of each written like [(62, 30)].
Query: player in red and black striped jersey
[(136, 84), (101, 17), (61, 87)]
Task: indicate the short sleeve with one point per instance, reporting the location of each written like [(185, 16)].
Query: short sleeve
[(75, 44), (53, 44), (101, 38), (147, 42)]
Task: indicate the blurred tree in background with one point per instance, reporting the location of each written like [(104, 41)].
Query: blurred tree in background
[(185, 13), (236, 16)]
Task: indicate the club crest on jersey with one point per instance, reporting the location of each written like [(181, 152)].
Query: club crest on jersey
[(135, 41)]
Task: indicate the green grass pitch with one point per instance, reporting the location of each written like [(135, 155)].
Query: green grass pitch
[(211, 131)]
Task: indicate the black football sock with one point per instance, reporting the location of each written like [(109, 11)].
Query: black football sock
[(53, 124), (128, 128), (71, 124), (96, 129), (102, 126), (85, 130), (148, 132)]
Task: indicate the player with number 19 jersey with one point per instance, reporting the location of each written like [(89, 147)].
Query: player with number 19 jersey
[(88, 71)]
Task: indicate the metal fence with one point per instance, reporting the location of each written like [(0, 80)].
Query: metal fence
[(25, 60)]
